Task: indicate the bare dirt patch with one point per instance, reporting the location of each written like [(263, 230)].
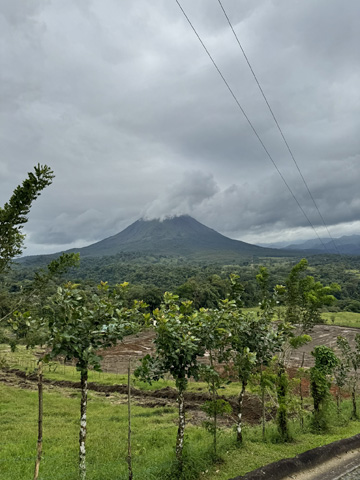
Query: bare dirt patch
[(116, 359), (321, 335)]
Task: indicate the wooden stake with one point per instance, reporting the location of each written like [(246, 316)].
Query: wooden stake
[(129, 423), (82, 435), (40, 419)]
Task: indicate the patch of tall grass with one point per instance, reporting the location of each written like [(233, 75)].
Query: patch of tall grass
[(153, 440), (342, 319)]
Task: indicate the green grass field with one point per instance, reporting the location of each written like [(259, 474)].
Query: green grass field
[(106, 439), (154, 432), (26, 360), (342, 319)]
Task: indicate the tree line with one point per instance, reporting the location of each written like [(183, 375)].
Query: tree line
[(203, 283)]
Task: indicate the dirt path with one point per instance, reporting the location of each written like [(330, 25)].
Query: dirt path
[(146, 398)]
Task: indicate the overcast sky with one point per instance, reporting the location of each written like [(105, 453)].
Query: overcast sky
[(121, 100)]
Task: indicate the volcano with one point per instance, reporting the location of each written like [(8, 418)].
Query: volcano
[(177, 236)]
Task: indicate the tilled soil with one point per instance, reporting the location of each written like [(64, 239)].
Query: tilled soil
[(321, 335), (116, 359)]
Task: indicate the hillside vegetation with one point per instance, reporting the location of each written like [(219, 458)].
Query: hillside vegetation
[(217, 345), (203, 282)]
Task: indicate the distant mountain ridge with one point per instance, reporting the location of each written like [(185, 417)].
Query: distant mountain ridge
[(178, 236), (346, 245)]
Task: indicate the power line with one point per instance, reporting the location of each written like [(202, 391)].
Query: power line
[(249, 122), (278, 126)]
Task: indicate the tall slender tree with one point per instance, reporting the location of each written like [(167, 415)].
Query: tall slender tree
[(320, 383), (13, 215), (350, 359), (79, 326), (216, 333), (28, 327), (252, 339), (303, 299), (179, 343)]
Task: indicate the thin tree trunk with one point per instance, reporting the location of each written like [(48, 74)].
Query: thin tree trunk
[(181, 428), (338, 400), (82, 435), (302, 395), (282, 419), (316, 396), (239, 436), (353, 395), (214, 399), (40, 419), (355, 414), (262, 403), (129, 424)]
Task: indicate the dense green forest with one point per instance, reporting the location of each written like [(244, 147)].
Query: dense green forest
[(204, 283)]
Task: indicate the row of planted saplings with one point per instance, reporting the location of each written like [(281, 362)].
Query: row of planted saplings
[(76, 324)]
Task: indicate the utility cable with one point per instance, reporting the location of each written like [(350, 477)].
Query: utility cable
[(278, 126), (249, 122)]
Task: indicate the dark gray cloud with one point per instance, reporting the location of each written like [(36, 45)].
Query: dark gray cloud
[(122, 101), (188, 196)]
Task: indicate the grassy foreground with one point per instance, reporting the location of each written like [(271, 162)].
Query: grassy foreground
[(154, 432)]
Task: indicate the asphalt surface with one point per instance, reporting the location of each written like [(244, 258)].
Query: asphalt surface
[(344, 467), (352, 474), (335, 461)]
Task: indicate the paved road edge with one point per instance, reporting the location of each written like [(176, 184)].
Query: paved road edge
[(303, 461)]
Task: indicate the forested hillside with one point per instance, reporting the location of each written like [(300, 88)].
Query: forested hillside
[(203, 282)]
